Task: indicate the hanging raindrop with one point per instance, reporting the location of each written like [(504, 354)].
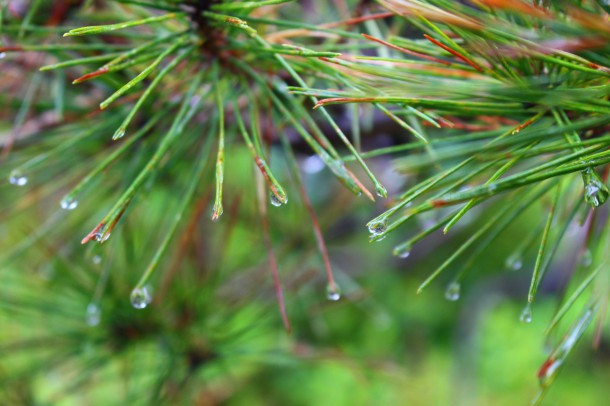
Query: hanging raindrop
[(93, 315), (402, 251), (381, 191), (17, 178), (100, 237), (596, 192), (119, 133), (276, 201), (68, 203), (379, 226), (140, 297), (333, 292), (453, 291), (526, 314)]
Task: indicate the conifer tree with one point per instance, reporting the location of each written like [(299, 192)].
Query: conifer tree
[(145, 142)]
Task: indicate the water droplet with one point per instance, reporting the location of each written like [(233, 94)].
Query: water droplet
[(140, 297), (97, 259), (333, 292), (276, 201), (2, 55), (526, 314), (377, 237), (68, 203), (93, 315), (119, 133), (17, 178), (453, 291), (596, 192), (378, 226), (381, 191), (217, 211), (100, 236), (514, 262), (402, 251)]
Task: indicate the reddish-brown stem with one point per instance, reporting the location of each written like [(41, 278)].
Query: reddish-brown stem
[(406, 51), (454, 53), (93, 233), (279, 294), (438, 203), (101, 71), (319, 237), (522, 126), (263, 170), (101, 232), (360, 185), (11, 49), (545, 367), (358, 20), (114, 222)]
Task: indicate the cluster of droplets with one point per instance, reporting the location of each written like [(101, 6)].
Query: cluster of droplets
[(452, 293), (17, 178), (596, 192), (140, 297), (93, 314), (333, 292)]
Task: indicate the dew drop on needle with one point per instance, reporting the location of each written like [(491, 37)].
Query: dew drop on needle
[(17, 178), (93, 315), (526, 314), (68, 203), (276, 201), (333, 292), (140, 297), (453, 291)]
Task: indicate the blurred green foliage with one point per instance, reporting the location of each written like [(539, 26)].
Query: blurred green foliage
[(380, 344)]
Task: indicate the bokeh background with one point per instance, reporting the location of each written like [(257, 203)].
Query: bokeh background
[(213, 334)]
